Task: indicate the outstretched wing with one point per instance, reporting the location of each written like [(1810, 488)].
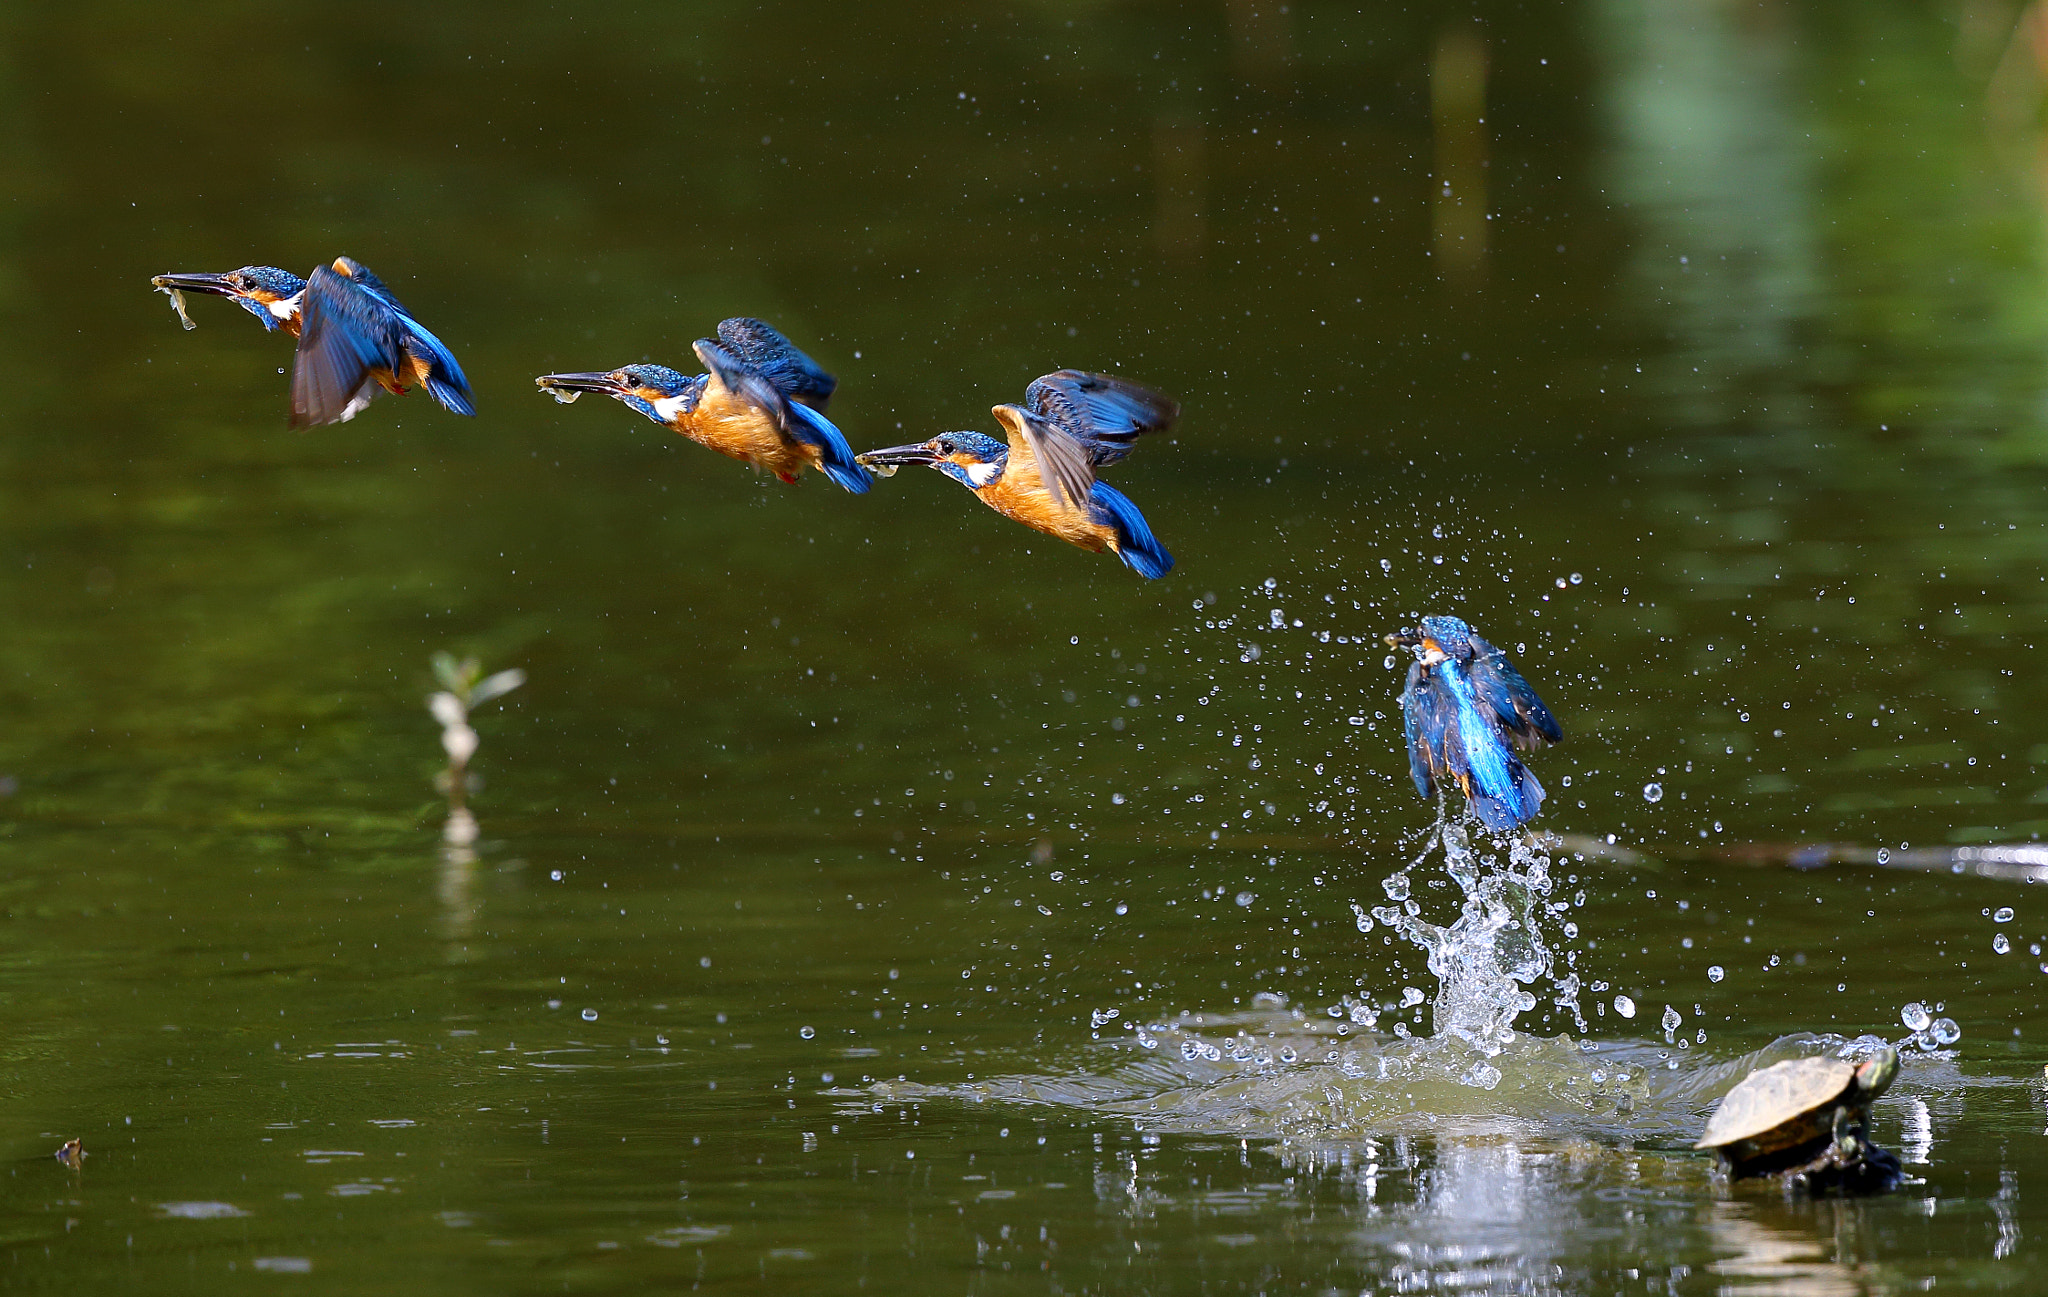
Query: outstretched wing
[(1065, 464), (348, 331), (1503, 691), (794, 374), (1106, 414)]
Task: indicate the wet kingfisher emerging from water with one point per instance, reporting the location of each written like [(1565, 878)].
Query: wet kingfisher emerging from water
[(1071, 423), (355, 339), (761, 402), (1466, 710)]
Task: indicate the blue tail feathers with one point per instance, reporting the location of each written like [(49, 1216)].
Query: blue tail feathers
[(1136, 545), (836, 457), (1511, 805)]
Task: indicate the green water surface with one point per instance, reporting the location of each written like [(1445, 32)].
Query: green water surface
[(827, 831)]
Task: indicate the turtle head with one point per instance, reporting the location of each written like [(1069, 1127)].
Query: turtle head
[(1874, 1074)]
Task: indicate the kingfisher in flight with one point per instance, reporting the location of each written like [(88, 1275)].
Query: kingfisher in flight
[(1467, 711), (355, 339), (1071, 423), (760, 401)]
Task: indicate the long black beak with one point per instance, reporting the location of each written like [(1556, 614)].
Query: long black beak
[(579, 383), (893, 456), (215, 284)]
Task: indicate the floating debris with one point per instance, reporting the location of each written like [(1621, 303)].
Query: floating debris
[(72, 1154)]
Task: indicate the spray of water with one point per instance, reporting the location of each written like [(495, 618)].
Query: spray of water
[(1488, 957)]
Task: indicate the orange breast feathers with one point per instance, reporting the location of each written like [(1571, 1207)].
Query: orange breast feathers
[(1020, 494), (740, 428)]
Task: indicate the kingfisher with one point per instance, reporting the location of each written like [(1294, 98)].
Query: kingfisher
[(760, 401), (1071, 423), (355, 338), (1466, 711)]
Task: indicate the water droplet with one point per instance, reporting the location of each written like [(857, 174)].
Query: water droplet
[(1576, 578), (1716, 973), (1915, 1017), (1653, 792), (1624, 1006), (1287, 1054), (1245, 898), (1884, 856), (1946, 1032), (1122, 908), (1396, 886), (554, 875), (2004, 914), (2001, 945), (590, 1015), (1411, 996), (1671, 1018), (807, 1033), (1389, 663)]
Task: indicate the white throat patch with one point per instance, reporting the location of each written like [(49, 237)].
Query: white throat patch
[(284, 308), (982, 474), (669, 407)]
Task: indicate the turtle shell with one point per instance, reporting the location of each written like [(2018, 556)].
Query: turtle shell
[(1784, 1106)]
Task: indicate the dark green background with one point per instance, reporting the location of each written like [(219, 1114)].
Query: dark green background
[(1756, 349)]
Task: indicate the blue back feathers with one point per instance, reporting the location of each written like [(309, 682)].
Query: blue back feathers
[(1136, 545)]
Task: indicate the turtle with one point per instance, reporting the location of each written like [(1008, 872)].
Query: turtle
[(1800, 1111)]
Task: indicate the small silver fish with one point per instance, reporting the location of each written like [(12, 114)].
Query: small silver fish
[(178, 304), (565, 395)]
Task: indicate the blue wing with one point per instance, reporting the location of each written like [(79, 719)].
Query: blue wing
[(1429, 717), (346, 333), (793, 373), (1511, 699), (1106, 414), (1136, 545)]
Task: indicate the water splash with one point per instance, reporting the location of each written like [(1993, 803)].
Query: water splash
[(1494, 950)]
